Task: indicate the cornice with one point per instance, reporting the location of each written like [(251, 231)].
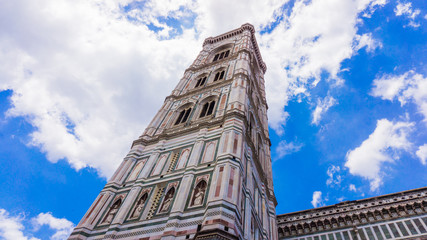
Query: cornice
[(353, 213), (180, 131), (197, 91), (232, 33)]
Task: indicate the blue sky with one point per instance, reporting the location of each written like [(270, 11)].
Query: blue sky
[(79, 80)]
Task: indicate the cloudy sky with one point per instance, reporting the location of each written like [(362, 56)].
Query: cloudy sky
[(79, 80)]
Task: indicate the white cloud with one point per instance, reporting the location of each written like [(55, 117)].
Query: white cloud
[(366, 40), (340, 199), (401, 8), (352, 187), (284, 148), (88, 75), (321, 108), (11, 227), (407, 87), (405, 9), (62, 226), (382, 146), (85, 77), (317, 199), (314, 39), (334, 176), (422, 154)]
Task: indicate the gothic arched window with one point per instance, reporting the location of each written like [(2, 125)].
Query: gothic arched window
[(183, 116), (167, 202), (139, 206), (136, 170), (199, 193), (219, 76), (112, 211), (207, 109), (200, 82), (221, 55)]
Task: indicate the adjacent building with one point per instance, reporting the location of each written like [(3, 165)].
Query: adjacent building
[(401, 215)]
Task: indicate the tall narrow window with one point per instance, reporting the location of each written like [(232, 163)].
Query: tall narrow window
[(207, 109), (219, 76), (199, 194), (226, 53), (204, 109), (112, 212), (183, 116), (187, 113), (210, 109), (167, 200), (200, 82), (221, 55), (178, 120)]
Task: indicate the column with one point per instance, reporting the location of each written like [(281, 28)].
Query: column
[(149, 165), (183, 194)]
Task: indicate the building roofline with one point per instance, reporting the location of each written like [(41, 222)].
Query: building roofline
[(246, 26), (352, 202)]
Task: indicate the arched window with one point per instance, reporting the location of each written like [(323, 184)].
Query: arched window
[(136, 170), (183, 116), (167, 202), (219, 76), (112, 211), (139, 206), (250, 127), (201, 81), (183, 158), (207, 109), (199, 193), (221, 55)]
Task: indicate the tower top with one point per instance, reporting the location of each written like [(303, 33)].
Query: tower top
[(246, 26)]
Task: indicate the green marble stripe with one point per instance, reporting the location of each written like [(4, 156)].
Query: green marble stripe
[(150, 224)]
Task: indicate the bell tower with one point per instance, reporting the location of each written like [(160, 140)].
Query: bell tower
[(202, 167)]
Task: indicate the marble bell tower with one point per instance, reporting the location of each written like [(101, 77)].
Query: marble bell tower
[(202, 167)]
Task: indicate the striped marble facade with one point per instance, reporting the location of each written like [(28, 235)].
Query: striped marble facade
[(202, 167), (400, 215)]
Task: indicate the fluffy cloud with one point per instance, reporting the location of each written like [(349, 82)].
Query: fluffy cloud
[(284, 148), (422, 154), (62, 226), (366, 40), (407, 87), (333, 173), (86, 77), (405, 9), (382, 146), (352, 187), (317, 199), (315, 38), (321, 108), (88, 74), (11, 227)]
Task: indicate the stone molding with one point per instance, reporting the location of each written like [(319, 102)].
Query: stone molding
[(235, 32), (353, 213)]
